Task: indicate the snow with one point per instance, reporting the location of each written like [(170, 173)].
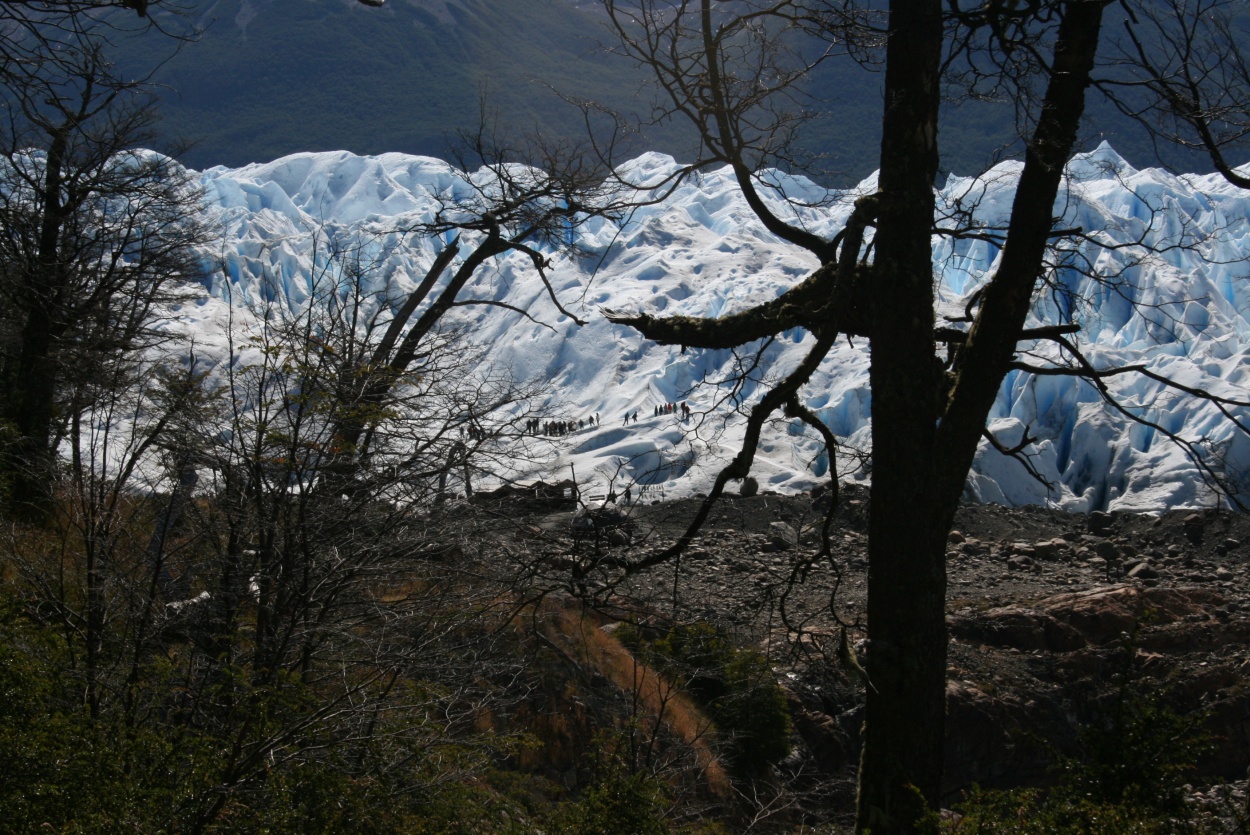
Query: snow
[(1181, 311)]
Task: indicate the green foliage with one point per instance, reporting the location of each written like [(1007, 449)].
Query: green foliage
[(468, 809), (618, 801), (1035, 812), (734, 685), (1128, 779), (248, 758), (1138, 756), (65, 770)]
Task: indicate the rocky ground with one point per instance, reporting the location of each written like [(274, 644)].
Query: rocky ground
[(1049, 614)]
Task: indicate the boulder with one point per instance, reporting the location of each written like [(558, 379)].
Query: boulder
[(1099, 523), (1107, 549), (1018, 627), (1050, 549), (993, 741), (974, 548), (1103, 615), (1069, 622), (1019, 562), (782, 536)]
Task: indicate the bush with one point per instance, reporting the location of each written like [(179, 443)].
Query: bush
[(1138, 756), (1129, 778), (1034, 812), (63, 769), (734, 685), (617, 802)]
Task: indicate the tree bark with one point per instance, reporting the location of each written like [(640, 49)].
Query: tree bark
[(33, 402), (985, 357), (901, 767), (923, 448)]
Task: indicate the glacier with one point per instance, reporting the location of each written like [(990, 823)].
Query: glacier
[(1159, 278)]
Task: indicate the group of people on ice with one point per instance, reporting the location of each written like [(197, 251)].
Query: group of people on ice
[(557, 428), (660, 410), (671, 409)]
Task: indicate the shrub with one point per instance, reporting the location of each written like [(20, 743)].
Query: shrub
[(1129, 778), (617, 802), (734, 685), (1034, 812)]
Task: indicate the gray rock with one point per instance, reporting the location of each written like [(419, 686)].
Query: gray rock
[(975, 548), (1099, 523), (1107, 549), (1050, 549), (783, 536)]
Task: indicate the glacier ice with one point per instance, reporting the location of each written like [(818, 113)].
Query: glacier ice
[(1179, 309)]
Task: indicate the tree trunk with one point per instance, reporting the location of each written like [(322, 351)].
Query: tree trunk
[(33, 403), (985, 357), (923, 448), (901, 770)]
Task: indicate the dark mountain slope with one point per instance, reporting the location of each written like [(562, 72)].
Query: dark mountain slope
[(271, 77)]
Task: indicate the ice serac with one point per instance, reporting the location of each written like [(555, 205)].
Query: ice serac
[(1168, 290)]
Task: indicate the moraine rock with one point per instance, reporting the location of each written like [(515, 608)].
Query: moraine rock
[(1051, 549), (1099, 523), (1068, 622), (1017, 627), (974, 548), (782, 536), (1107, 550)]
